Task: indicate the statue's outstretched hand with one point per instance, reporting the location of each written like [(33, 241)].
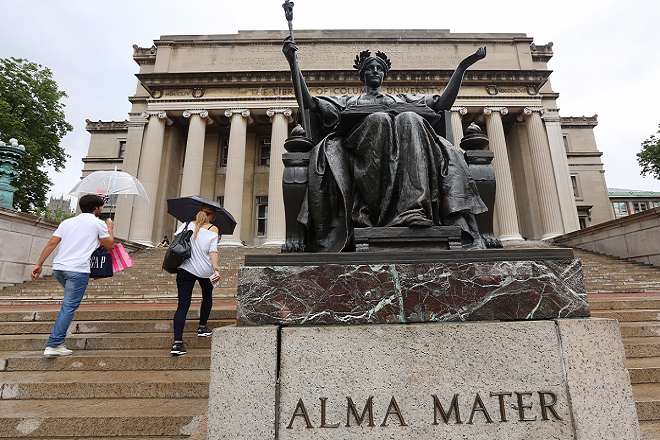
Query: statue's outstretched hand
[(289, 49), (479, 54)]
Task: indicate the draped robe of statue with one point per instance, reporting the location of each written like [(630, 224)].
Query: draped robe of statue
[(384, 168)]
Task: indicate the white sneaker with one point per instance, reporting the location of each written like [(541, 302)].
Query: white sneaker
[(60, 350)]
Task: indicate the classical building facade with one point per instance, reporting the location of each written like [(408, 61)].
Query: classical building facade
[(210, 115)]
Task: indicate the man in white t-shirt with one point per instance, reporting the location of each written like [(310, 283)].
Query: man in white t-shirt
[(78, 237)]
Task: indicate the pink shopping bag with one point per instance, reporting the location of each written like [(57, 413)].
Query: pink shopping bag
[(120, 258)]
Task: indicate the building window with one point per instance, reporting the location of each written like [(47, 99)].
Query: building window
[(220, 200), (565, 138), (264, 152), (224, 152), (656, 204), (262, 215), (576, 191), (620, 209), (583, 222), (122, 148), (640, 206)]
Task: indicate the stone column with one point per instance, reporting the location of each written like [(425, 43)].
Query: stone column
[(457, 114), (134, 139), (567, 204), (142, 223), (192, 164), (505, 202), (543, 173), (235, 171), (276, 229)]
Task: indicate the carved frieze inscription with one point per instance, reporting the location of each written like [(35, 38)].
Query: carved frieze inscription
[(336, 56), (231, 92)]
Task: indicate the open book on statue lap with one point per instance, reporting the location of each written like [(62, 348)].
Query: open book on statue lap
[(353, 114)]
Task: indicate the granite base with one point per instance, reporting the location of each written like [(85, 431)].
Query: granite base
[(555, 379)]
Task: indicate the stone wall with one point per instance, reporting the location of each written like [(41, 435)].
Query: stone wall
[(635, 237), (22, 238)]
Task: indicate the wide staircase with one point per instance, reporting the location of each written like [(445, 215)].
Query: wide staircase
[(122, 382), (630, 293)]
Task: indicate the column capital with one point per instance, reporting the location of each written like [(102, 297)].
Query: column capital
[(287, 112), (160, 114), (529, 110), (460, 109), (238, 111), (489, 110), (202, 113), (552, 115)]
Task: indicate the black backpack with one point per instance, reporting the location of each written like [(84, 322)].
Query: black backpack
[(179, 251)]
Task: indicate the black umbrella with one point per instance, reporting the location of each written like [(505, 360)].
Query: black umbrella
[(185, 209)]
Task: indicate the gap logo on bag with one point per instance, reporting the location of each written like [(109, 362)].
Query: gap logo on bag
[(97, 262), (100, 263)]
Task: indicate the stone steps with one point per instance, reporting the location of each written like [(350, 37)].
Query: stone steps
[(644, 370), (639, 329), (650, 430), (151, 326), (21, 385), (628, 315), (107, 360), (121, 381), (598, 304), (145, 282), (107, 418), (646, 400), (102, 341), (639, 319), (605, 274), (111, 313)]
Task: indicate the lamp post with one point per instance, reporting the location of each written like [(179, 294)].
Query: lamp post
[(10, 154)]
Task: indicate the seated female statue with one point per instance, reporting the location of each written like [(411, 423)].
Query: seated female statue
[(379, 162)]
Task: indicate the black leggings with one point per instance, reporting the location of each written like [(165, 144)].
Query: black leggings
[(185, 281)]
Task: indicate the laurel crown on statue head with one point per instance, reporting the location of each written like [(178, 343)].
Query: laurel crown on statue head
[(364, 57)]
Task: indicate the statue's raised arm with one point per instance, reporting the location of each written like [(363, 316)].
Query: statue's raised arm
[(303, 96), (450, 93)]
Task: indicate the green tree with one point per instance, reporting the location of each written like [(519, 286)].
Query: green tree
[(31, 111), (649, 157), (56, 215)]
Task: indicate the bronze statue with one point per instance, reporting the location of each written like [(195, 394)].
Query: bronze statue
[(377, 160)]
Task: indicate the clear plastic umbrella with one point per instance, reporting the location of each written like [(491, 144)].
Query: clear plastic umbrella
[(116, 188)]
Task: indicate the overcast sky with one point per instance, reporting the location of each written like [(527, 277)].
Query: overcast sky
[(605, 53)]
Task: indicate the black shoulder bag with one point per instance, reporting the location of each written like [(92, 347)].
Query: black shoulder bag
[(179, 251)]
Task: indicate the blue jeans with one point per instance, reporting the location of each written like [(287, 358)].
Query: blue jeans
[(74, 284)]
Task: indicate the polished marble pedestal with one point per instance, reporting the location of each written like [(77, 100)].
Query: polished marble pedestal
[(450, 286)]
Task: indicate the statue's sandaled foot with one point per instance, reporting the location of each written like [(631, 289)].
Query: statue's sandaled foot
[(492, 242), (293, 246), (419, 222)]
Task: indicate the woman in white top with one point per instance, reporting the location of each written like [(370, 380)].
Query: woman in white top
[(202, 266)]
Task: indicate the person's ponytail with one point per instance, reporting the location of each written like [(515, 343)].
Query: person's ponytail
[(200, 219), (204, 215)]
